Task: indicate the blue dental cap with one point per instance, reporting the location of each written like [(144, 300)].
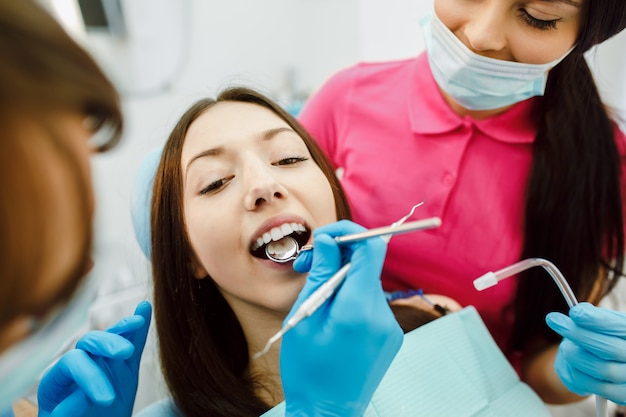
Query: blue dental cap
[(142, 198)]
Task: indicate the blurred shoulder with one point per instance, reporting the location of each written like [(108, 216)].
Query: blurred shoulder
[(162, 408)]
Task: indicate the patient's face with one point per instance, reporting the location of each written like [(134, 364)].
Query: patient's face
[(249, 178)]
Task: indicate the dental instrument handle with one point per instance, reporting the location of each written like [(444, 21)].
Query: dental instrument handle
[(492, 278), (387, 231), (315, 300), (308, 307)]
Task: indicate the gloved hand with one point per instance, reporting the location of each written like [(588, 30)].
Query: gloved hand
[(332, 362), (99, 377), (592, 356)]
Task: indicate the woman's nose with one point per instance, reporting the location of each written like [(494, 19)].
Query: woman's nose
[(486, 30), (262, 187)]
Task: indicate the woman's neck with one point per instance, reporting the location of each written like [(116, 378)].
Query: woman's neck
[(259, 327)]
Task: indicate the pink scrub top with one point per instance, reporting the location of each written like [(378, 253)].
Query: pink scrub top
[(398, 143)]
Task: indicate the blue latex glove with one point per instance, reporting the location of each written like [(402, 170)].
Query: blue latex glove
[(99, 377), (332, 362), (592, 356)]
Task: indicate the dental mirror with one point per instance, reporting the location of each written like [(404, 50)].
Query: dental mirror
[(283, 250)]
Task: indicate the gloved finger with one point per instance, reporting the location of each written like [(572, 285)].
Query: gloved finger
[(106, 344), (303, 261), (589, 364), (76, 367), (362, 291), (127, 324), (610, 322), (138, 338), (361, 298), (582, 383), (604, 346), (326, 262), (367, 261), (571, 378), (76, 404), (342, 228)]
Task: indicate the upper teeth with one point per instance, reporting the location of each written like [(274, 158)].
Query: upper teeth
[(278, 233)]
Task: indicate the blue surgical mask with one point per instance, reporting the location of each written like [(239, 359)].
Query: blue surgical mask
[(22, 364), (477, 82)]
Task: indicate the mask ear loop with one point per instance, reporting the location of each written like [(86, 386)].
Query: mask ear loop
[(492, 278)]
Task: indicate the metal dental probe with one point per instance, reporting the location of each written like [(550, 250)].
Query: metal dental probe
[(292, 252), (355, 237)]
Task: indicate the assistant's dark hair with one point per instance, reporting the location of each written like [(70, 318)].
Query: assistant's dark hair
[(574, 213), (204, 353)]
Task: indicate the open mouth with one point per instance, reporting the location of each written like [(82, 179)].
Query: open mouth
[(296, 231)]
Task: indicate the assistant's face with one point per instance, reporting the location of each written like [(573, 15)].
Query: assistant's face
[(67, 209), (63, 218), (527, 31), (248, 178)]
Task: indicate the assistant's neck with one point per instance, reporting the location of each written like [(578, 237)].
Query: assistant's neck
[(474, 114)]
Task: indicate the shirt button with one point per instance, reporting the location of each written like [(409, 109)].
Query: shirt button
[(447, 179)]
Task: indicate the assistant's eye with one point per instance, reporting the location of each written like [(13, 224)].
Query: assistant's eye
[(537, 23), (216, 185), (291, 160)]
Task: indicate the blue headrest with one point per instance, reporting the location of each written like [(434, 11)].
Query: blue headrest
[(141, 199)]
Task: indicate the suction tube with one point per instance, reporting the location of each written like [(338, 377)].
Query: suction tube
[(492, 278)]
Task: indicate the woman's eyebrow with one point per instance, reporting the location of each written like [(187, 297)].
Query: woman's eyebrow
[(269, 134), (567, 2), (266, 135), (207, 152)]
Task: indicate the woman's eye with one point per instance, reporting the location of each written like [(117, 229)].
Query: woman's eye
[(215, 186), (291, 160), (537, 23)]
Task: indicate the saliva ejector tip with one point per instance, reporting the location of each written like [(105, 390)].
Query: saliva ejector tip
[(485, 281)]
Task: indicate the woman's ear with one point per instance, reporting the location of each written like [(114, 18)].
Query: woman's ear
[(199, 272), (197, 269)]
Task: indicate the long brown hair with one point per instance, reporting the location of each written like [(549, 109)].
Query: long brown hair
[(574, 213), (43, 73), (204, 353)]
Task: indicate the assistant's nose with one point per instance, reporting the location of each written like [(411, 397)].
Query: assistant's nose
[(485, 30), (262, 186)]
